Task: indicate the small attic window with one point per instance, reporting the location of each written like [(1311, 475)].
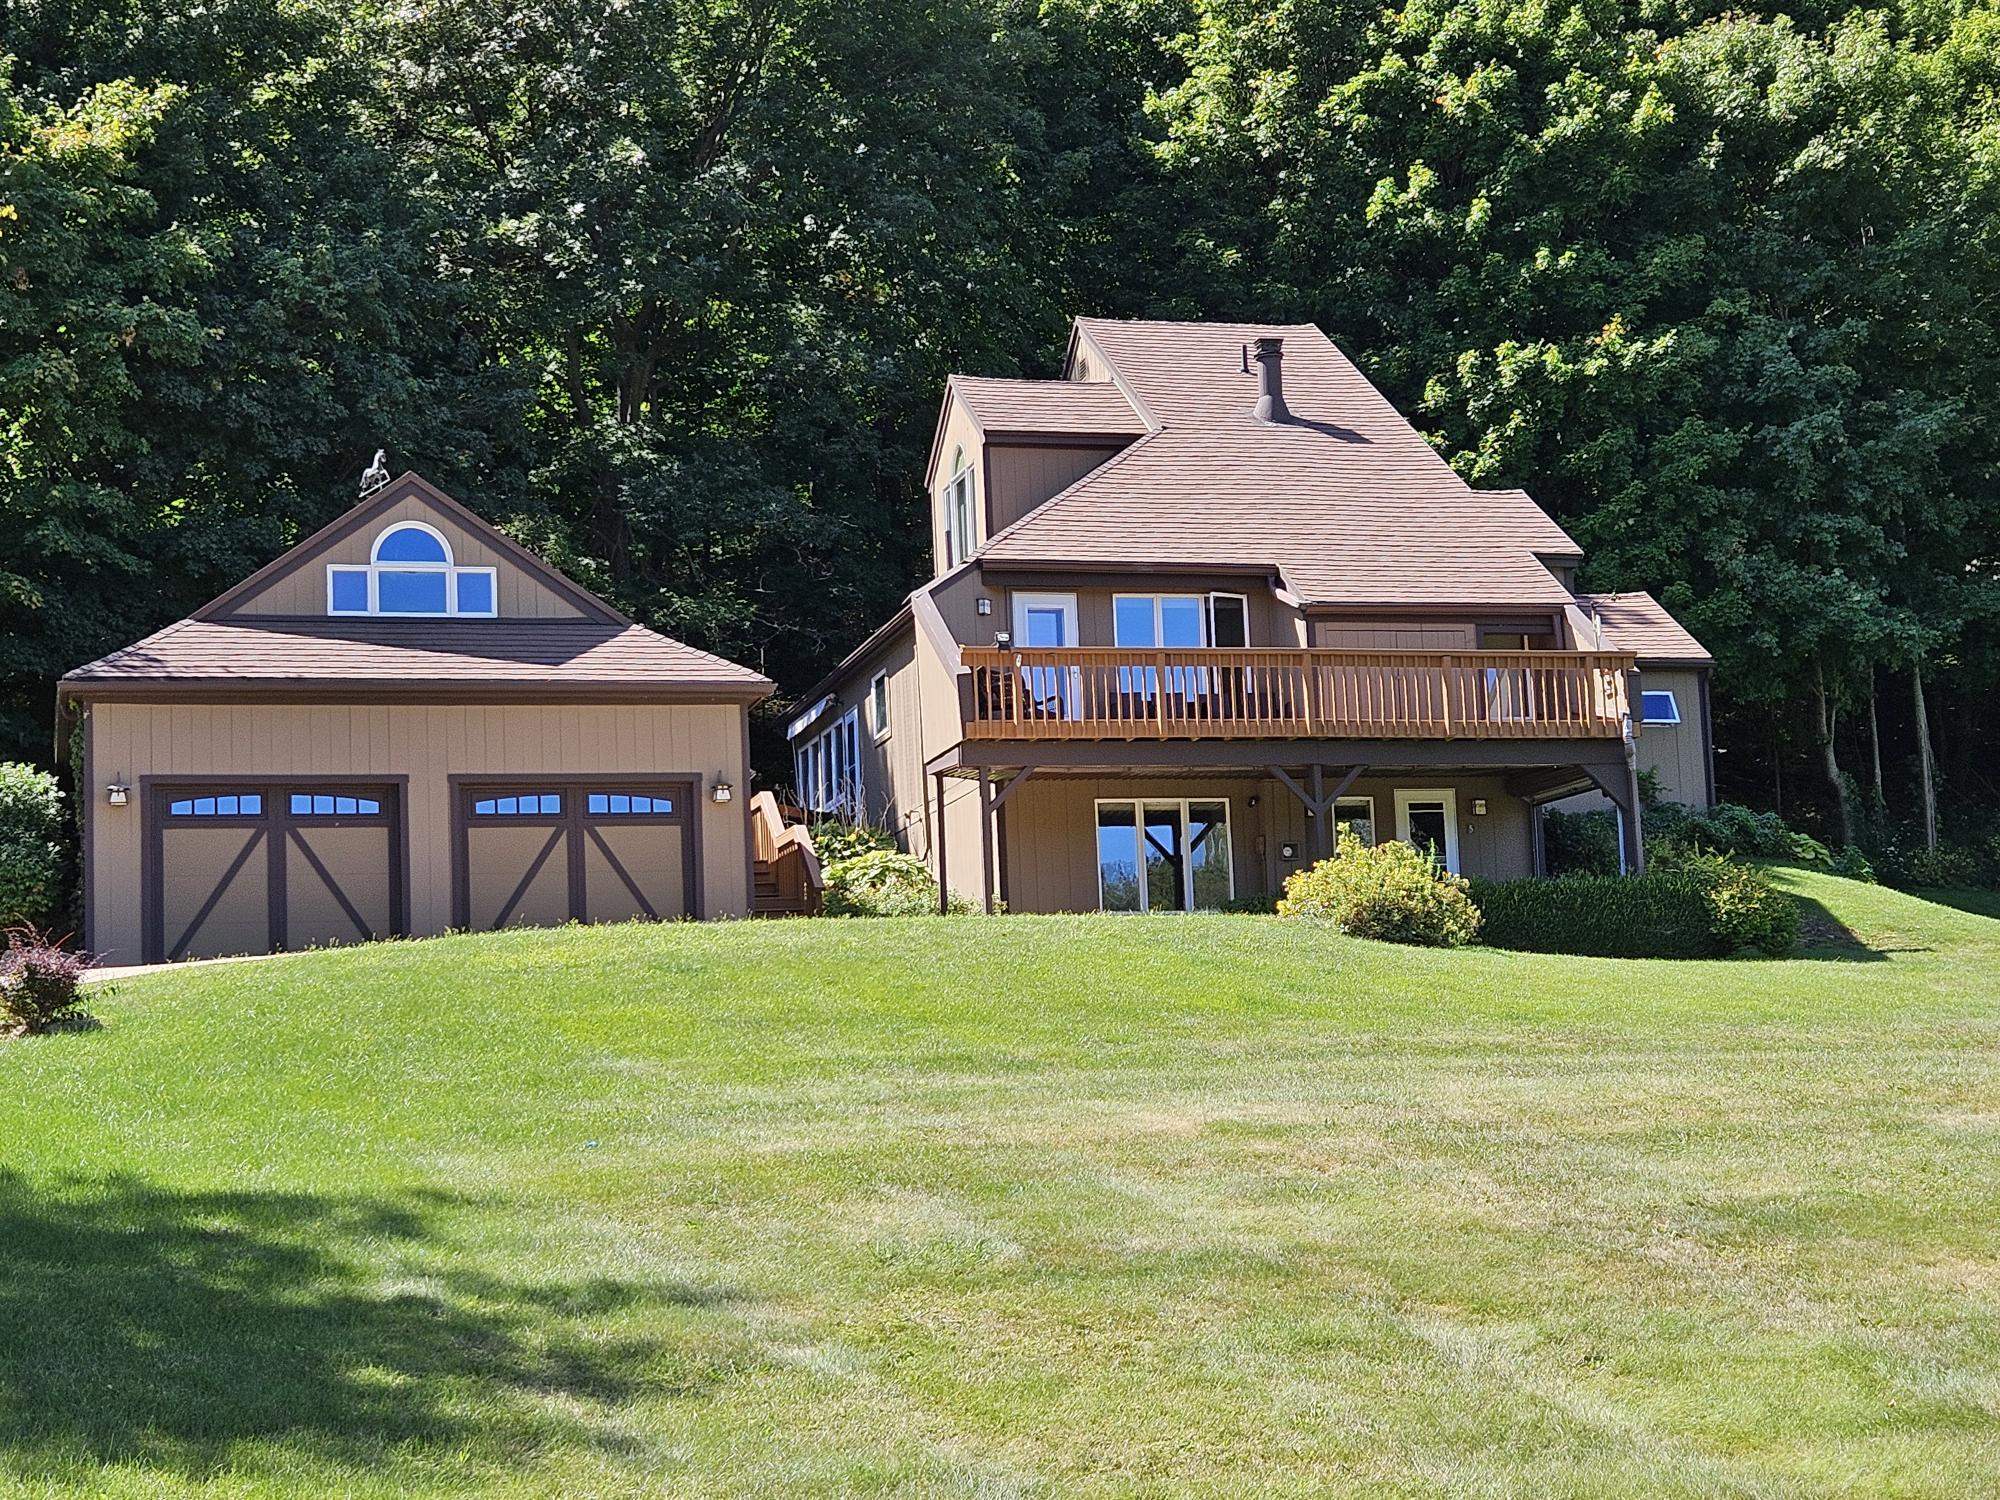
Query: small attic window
[(410, 573)]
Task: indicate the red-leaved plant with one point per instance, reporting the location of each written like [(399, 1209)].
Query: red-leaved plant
[(40, 981)]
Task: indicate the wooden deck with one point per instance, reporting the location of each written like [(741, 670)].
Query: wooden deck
[(1063, 693)]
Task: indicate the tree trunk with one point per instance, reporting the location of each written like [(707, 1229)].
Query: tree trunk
[(1824, 725), (1926, 761), (1874, 743)]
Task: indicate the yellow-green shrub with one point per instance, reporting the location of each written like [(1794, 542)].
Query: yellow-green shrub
[(1390, 891)]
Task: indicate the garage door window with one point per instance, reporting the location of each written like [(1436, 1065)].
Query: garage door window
[(630, 804), (532, 804), (320, 805), (234, 805)]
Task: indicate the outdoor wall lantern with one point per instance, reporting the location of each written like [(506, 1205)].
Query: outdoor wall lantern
[(117, 795), (985, 606), (721, 792), (1479, 807)]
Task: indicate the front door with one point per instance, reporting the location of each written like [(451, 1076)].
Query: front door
[(1428, 818)]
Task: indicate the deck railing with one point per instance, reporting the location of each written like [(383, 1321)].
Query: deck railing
[(1042, 693)]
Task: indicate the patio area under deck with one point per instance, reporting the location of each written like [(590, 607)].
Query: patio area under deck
[(1314, 771)]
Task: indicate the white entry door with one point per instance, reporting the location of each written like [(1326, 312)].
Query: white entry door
[(1428, 818), (1047, 620)]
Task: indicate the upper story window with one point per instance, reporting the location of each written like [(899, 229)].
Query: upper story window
[(1659, 706), (1180, 620), (959, 536), (410, 572)]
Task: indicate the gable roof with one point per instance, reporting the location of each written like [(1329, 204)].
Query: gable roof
[(409, 485), (603, 654), (1639, 623), (1346, 500), (1085, 409)]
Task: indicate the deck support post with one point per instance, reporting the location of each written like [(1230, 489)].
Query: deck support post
[(986, 839), (1621, 785), (1319, 802), (943, 846)]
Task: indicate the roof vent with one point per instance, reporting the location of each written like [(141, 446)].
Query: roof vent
[(1270, 356)]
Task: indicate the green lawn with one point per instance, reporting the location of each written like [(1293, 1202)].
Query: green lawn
[(1038, 1206)]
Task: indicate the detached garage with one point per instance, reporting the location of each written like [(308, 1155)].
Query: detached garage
[(405, 724)]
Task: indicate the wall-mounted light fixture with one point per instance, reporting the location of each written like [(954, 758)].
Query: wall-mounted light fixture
[(1288, 851), (1479, 807), (985, 606), (1002, 639), (722, 791), (117, 795)]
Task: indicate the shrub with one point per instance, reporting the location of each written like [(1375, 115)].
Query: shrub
[(39, 981), (1945, 865), (1254, 904), (1665, 915), (1389, 891), (884, 883), (833, 841), (1584, 843), (1853, 863), (1745, 909), (33, 848)]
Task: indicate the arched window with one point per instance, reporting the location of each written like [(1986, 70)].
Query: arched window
[(410, 572)]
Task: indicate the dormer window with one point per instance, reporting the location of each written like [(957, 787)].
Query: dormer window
[(410, 573)]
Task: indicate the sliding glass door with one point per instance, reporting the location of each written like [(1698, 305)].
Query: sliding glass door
[(1163, 854)]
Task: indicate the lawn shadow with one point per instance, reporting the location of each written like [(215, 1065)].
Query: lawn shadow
[(161, 1328), (1824, 936), (1968, 899)]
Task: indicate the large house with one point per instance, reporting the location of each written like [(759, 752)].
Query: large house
[(1206, 600), (406, 723)]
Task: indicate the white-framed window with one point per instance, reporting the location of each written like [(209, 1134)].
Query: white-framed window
[(410, 573), (1428, 818), (1163, 854), (1659, 706), (827, 767), (1170, 620), (959, 536), (1355, 815), (878, 705)]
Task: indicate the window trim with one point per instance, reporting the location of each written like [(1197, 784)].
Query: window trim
[(1374, 828), (961, 535), (878, 704), (1405, 795), (813, 768), (450, 569), (1673, 702), (1242, 599), (1139, 806)]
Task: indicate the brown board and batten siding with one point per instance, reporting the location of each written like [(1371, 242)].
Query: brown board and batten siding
[(227, 730), (263, 742)]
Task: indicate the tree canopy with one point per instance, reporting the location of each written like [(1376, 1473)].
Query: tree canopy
[(670, 288)]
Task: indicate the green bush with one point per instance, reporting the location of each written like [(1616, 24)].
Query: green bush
[(834, 841), (884, 883), (1853, 863), (33, 844), (1584, 843), (1390, 891), (1253, 904), (1663, 915), (1745, 909)]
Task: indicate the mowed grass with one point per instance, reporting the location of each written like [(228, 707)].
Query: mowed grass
[(1035, 1206)]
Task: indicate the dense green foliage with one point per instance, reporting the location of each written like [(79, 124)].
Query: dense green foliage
[(833, 841), (883, 883), (669, 288), (33, 846), (1687, 905), (1390, 891), (1658, 915)]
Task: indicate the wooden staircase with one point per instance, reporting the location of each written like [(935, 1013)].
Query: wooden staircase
[(785, 877)]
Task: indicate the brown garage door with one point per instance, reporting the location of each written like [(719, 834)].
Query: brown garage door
[(256, 867), (552, 850)]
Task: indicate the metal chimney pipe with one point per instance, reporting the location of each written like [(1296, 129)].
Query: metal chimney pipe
[(1270, 357)]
